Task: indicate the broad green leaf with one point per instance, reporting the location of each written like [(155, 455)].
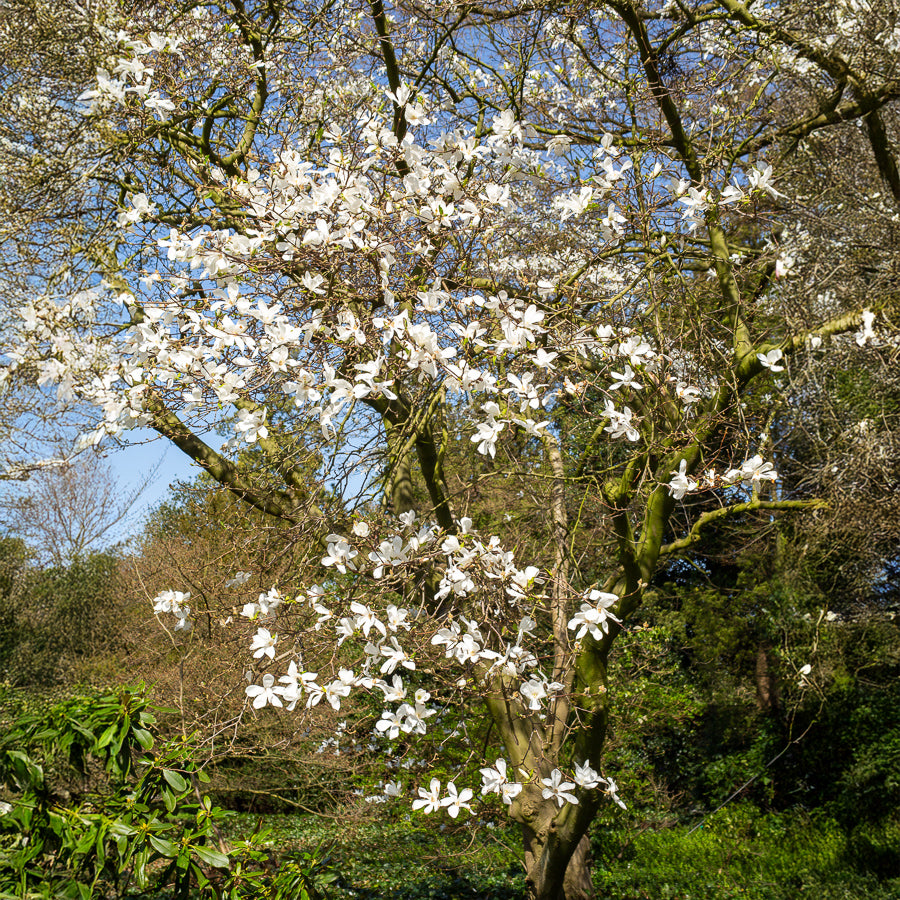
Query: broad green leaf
[(163, 847), (121, 829), (107, 735), (176, 780), (143, 737), (211, 857)]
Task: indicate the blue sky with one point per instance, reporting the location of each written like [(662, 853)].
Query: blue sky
[(133, 463)]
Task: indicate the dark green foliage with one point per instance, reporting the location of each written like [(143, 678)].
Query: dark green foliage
[(402, 857), (499, 886), (13, 560), (851, 761), (742, 853), (57, 620), (94, 811), (690, 736)]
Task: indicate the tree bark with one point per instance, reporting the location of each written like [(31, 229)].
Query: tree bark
[(547, 874), (766, 681), (577, 884)]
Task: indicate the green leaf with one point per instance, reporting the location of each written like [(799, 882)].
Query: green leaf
[(107, 735), (199, 876), (143, 737), (163, 847), (176, 780), (56, 822), (140, 868), (121, 829), (85, 842), (212, 857)]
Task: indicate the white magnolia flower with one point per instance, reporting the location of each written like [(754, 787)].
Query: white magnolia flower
[(557, 789), (366, 619), (414, 718), (494, 781), (336, 690), (393, 789), (593, 617), (755, 470), (454, 802), (250, 610), (760, 180), (585, 777), (620, 423), (389, 553), (687, 393), (390, 724), (396, 656), (251, 425), (752, 472), (544, 359), (625, 379), (770, 360), (509, 791), (184, 623), (429, 801), (613, 790), (681, 482), (295, 683), (397, 617), (867, 332), (264, 644), (394, 692), (238, 579), (558, 145), (170, 601), (264, 693), (533, 691), (486, 436), (269, 601), (575, 204), (339, 554)]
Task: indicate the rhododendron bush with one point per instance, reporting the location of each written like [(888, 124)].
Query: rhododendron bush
[(577, 243)]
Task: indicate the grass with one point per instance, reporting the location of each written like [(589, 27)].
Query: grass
[(742, 853), (738, 854), (400, 858)]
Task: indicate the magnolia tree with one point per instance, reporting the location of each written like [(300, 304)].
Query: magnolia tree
[(591, 244)]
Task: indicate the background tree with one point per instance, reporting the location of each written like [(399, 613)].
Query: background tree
[(62, 625), (67, 510)]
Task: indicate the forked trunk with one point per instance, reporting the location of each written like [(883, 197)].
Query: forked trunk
[(549, 876)]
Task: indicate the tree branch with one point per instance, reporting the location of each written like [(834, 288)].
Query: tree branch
[(693, 536)]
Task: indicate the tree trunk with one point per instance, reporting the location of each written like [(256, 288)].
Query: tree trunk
[(766, 681), (547, 874), (577, 884)]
